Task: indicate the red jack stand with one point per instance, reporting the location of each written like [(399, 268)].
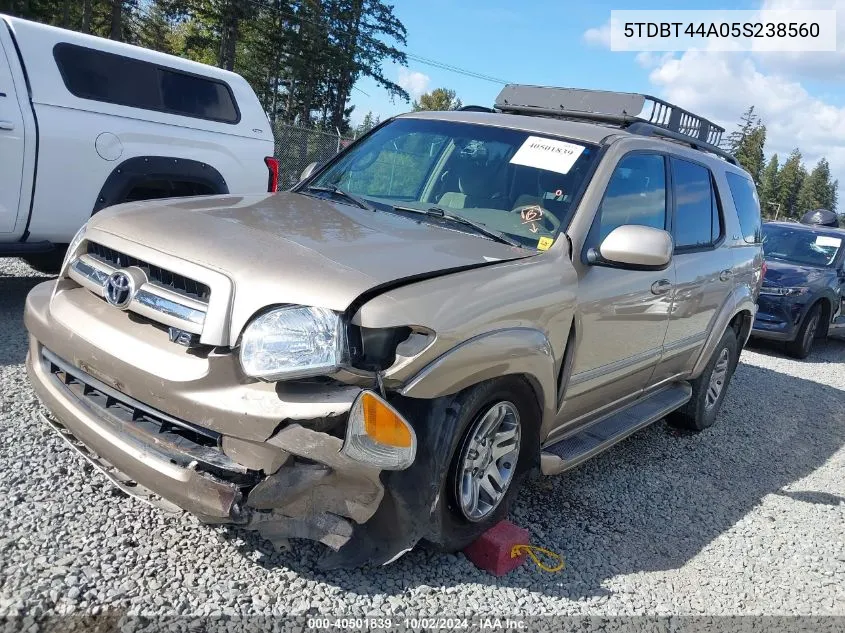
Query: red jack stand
[(492, 550)]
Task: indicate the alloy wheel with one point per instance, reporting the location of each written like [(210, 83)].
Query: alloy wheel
[(718, 378), (810, 333), (488, 461)]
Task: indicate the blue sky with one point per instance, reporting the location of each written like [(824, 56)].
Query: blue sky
[(801, 96), (532, 41)]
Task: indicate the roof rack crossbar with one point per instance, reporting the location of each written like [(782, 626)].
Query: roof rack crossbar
[(625, 109), (649, 129)]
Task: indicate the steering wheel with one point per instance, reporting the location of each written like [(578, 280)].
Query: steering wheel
[(551, 221)]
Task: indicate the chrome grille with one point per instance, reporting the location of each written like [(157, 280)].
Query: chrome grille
[(180, 304), (178, 283)]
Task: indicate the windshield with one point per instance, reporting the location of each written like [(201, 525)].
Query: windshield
[(800, 246), (509, 181)]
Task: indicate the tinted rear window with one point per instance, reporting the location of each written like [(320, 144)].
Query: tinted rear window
[(100, 76), (697, 221), (744, 195)]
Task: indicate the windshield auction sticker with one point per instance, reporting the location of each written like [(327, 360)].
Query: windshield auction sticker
[(824, 240), (548, 154)]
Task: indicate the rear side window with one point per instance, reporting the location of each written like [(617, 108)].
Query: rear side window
[(747, 205), (100, 76), (697, 221), (636, 194)]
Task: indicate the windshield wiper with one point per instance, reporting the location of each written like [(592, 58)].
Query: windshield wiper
[(341, 193), (437, 212)]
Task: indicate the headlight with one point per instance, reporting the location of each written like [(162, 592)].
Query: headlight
[(292, 342), (74, 245), (782, 292)]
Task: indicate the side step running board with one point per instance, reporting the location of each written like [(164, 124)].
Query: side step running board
[(587, 442)]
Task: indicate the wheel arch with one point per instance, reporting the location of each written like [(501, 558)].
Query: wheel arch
[(522, 352), (138, 170), (827, 300), (737, 312)]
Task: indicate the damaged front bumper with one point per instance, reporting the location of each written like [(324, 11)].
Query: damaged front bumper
[(291, 481)]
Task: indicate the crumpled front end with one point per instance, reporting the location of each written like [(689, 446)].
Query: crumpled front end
[(167, 372), (181, 429)]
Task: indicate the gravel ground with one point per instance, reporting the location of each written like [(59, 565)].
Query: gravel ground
[(745, 518)]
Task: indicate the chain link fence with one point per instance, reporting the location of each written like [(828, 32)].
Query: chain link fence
[(297, 147)]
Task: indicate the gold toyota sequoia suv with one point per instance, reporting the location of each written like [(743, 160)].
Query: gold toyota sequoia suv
[(379, 356)]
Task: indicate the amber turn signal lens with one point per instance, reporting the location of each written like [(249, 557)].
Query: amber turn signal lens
[(378, 435), (383, 425)]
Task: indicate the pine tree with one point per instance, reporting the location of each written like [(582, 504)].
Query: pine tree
[(816, 190), (790, 179), (438, 99), (746, 144), (834, 195), (769, 186), (368, 123), (747, 122)]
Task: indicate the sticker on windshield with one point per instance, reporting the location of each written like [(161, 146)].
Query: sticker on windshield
[(544, 243), (531, 215), (548, 154), (826, 240)]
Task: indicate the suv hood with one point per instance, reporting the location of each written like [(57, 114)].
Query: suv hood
[(781, 273), (293, 248)]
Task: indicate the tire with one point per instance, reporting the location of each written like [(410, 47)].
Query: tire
[(49, 262), (457, 527), (419, 505), (807, 332), (701, 410)]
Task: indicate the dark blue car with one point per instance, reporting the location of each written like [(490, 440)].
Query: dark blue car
[(804, 285)]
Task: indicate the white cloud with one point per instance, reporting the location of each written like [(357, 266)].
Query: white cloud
[(599, 36), (825, 66), (721, 86), (416, 83)]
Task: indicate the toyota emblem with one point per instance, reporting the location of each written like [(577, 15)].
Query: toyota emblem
[(120, 289)]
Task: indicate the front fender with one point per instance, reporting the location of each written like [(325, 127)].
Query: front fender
[(741, 299), (525, 351), (826, 293)]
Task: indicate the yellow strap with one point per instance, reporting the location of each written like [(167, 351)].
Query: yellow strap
[(517, 550)]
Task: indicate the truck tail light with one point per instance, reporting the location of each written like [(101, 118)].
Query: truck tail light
[(273, 174)]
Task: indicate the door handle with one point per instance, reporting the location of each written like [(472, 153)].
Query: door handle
[(7, 125), (725, 275), (661, 287)]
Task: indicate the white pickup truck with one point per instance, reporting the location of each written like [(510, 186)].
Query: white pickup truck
[(86, 123)]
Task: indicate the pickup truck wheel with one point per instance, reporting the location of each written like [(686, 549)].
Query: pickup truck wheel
[(497, 445), (803, 343), (709, 389), (49, 262)]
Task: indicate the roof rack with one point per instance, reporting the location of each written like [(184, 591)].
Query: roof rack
[(475, 108), (625, 109)]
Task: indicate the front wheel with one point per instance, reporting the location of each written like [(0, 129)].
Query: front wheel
[(709, 389), (803, 343), (498, 445)]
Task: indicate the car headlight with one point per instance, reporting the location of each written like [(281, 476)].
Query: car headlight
[(292, 342), (74, 245), (783, 292)]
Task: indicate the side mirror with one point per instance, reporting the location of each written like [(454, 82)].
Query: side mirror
[(636, 247), (310, 169)]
